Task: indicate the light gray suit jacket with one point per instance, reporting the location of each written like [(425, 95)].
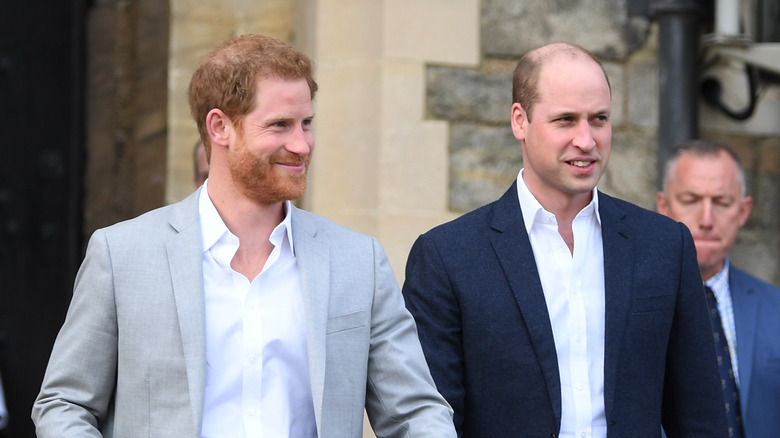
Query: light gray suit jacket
[(130, 359)]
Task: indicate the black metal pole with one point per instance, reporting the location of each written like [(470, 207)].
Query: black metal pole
[(678, 40)]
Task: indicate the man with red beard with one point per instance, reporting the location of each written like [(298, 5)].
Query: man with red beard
[(233, 313)]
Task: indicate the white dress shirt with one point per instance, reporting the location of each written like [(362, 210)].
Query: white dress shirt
[(720, 287), (257, 374), (573, 287)]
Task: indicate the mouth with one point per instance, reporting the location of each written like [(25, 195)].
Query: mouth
[(581, 164), (295, 166)]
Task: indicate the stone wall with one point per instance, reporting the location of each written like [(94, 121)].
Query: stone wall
[(414, 105), (127, 120), (140, 135)]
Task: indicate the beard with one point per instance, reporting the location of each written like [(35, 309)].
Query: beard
[(260, 180)]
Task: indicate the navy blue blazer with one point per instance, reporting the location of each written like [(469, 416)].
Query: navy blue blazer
[(473, 288), (757, 321)]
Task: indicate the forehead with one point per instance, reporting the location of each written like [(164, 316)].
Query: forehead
[(706, 173), (572, 77), (276, 91)]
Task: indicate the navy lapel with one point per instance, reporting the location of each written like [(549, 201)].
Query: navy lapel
[(513, 249), (746, 315), (619, 265)]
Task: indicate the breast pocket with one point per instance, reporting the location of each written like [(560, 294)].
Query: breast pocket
[(652, 304), (346, 322)]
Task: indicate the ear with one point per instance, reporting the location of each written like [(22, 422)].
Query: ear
[(519, 121), (661, 203), (219, 127), (747, 207)]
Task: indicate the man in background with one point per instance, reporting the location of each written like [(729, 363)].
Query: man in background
[(704, 188)]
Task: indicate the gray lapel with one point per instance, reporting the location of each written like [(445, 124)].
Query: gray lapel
[(185, 263), (313, 258)]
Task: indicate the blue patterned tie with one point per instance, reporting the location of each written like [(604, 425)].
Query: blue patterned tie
[(729, 385)]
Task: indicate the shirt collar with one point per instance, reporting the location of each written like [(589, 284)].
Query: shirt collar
[(533, 210), (213, 227), (720, 281)]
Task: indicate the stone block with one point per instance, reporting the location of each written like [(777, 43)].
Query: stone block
[(643, 92), (439, 31), (472, 95), (484, 160), (512, 27), (619, 95), (631, 173)]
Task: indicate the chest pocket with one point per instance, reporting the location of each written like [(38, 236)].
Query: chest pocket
[(347, 321), (653, 304)]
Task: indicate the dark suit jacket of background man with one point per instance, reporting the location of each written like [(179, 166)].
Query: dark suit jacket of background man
[(757, 320), (474, 290)]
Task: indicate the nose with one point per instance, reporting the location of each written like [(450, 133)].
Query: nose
[(583, 137), (301, 140), (705, 217)]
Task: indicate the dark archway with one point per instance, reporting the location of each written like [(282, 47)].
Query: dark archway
[(42, 142)]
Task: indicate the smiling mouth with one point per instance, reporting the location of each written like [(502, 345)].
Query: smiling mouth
[(580, 163)]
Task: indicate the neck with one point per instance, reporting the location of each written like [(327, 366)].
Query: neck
[(251, 222), (707, 273)]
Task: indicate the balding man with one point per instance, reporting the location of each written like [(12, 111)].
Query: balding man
[(558, 310)]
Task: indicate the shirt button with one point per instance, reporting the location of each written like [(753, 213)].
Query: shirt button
[(579, 387), (578, 338), (251, 412)]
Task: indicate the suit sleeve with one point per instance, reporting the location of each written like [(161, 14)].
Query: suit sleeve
[(81, 374), (430, 298), (693, 403), (402, 400)]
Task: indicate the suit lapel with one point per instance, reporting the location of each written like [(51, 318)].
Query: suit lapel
[(313, 259), (618, 276), (185, 263), (513, 249), (746, 316)]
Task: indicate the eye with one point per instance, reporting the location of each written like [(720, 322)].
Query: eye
[(688, 199), (600, 119), (724, 202)]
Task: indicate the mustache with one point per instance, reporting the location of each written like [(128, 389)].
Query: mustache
[(291, 158)]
